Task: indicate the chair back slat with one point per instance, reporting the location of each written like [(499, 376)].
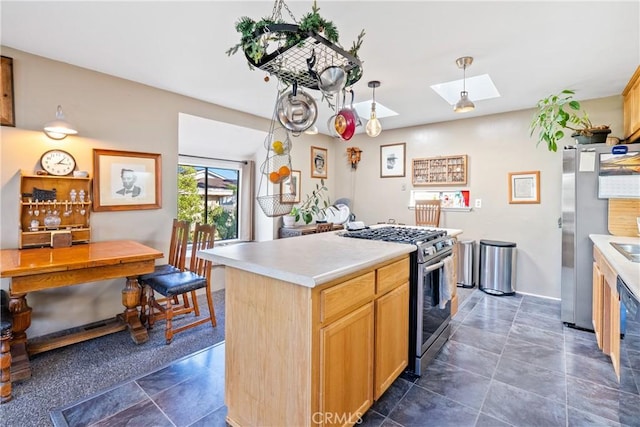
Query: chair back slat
[(178, 244), (428, 213), (203, 238)]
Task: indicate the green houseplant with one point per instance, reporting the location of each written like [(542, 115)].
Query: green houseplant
[(315, 204), (558, 112)]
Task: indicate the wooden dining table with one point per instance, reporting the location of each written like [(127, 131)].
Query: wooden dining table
[(38, 269)]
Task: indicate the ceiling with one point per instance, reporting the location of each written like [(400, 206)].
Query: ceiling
[(529, 49)]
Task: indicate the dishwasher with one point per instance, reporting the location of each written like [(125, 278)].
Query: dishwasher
[(629, 306)]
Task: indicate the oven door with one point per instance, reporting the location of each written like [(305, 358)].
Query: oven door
[(432, 322)]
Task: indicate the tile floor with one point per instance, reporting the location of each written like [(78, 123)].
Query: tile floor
[(510, 361)]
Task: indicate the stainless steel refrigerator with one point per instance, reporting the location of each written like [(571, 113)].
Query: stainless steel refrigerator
[(582, 214)]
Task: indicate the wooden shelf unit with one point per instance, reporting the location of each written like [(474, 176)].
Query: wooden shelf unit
[(443, 170), (76, 222)]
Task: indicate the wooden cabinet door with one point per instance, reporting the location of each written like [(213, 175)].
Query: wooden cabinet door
[(392, 337), (346, 368), (596, 309), (612, 326)]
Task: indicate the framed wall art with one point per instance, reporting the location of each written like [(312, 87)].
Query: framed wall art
[(392, 160), (7, 105), (524, 187), (126, 180), (318, 162), (290, 188)]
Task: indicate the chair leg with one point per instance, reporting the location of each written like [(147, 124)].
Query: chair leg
[(212, 311), (5, 368), (168, 331), (196, 307), (144, 304)]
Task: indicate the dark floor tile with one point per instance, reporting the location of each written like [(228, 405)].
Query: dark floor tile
[(633, 358), (485, 323), (532, 378), (478, 338), (526, 299), (522, 408), (504, 312), (590, 369), (587, 347), (167, 377), (579, 333), (192, 399), (544, 357), (455, 383), (513, 300), (585, 419), (541, 310), (390, 423), (216, 418), (369, 419), (540, 322), (142, 414), (470, 358), (485, 420), (603, 401), (629, 380), (633, 327), (421, 407), (104, 405), (391, 396), (537, 336), (632, 342)]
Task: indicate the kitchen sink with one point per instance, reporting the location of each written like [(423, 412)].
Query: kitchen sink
[(629, 250)]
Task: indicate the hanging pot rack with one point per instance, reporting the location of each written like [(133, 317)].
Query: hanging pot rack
[(290, 62)]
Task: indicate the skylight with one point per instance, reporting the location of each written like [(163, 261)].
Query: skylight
[(364, 110), (479, 87)]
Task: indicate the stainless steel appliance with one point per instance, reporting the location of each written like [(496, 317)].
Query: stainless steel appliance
[(583, 213), (428, 323)]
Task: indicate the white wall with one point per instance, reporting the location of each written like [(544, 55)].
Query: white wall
[(495, 145)]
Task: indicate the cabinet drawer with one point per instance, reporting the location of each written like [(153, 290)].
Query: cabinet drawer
[(345, 296), (392, 275)]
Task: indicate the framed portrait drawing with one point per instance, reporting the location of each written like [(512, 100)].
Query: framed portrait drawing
[(290, 188), (126, 180), (318, 162), (392, 160), (524, 187)]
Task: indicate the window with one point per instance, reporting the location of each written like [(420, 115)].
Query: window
[(210, 192)]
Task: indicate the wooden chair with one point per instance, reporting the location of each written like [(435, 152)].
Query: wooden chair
[(175, 261), (172, 285), (6, 328), (324, 227), (428, 213)]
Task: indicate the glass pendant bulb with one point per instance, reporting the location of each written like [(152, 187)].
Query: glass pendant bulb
[(374, 128)]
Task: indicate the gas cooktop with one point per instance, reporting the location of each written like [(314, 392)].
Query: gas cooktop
[(410, 235)]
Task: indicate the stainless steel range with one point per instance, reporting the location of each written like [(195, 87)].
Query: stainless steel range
[(428, 322)]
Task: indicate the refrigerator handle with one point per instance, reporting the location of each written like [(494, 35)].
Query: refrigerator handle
[(559, 222)]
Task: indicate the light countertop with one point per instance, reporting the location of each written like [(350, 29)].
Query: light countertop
[(308, 260), (629, 271)]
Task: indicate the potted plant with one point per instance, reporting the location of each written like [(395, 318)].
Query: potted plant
[(315, 204), (558, 112)]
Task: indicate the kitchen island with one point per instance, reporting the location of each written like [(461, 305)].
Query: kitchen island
[(316, 327)]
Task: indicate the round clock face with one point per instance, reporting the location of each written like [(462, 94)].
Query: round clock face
[(58, 162)]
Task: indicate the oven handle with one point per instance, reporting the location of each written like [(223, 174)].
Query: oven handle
[(433, 267)]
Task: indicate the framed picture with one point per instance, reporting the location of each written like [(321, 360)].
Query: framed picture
[(392, 160), (7, 106), (126, 180), (318, 162), (524, 187), (291, 188)]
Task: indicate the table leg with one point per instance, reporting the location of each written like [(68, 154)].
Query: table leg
[(21, 314), (131, 300)]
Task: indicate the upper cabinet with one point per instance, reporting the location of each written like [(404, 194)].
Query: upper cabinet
[(631, 108)]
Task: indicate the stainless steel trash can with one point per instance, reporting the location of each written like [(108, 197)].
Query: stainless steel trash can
[(466, 249), (497, 269)]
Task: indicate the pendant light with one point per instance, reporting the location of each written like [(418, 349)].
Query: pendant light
[(464, 104), (59, 128), (373, 127)]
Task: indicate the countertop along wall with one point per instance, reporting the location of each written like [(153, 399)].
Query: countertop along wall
[(495, 145)]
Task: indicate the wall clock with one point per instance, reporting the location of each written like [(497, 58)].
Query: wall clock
[(58, 162)]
